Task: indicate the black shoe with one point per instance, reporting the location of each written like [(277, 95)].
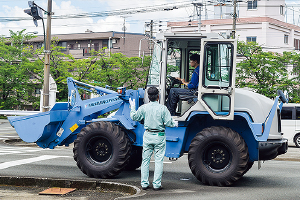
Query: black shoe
[(145, 188), (159, 188)]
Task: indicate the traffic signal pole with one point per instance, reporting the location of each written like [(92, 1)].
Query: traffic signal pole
[(47, 52)]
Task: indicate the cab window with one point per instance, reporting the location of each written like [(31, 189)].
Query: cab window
[(218, 62)]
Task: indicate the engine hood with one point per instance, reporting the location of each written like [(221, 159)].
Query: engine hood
[(256, 105)]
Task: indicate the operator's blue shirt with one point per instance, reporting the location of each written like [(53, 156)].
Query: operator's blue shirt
[(155, 115), (193, 84)]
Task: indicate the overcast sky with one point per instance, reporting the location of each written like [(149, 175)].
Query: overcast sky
[(133, 22)]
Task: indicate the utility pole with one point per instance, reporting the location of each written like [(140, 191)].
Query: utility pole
[(151, 36), (36, 12), (47, 59), (124, 30), (198, 7), (205, 12), (149, 33), (234, 19)]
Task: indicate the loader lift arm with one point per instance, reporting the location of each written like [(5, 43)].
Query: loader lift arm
[(66, 119)]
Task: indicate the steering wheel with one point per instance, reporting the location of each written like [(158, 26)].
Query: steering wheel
[(170, 83)]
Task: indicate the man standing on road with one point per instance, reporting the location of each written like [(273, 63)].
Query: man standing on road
[(156, 117), (173, 98)]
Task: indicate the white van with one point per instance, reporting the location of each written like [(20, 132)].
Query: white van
[(290, 123)]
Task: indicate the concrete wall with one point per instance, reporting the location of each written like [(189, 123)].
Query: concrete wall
[(265, 8)]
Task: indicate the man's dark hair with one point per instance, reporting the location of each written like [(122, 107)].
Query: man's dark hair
[(152, 93), (195, 57)]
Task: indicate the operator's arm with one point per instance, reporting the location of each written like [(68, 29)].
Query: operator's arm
[(193, 84), (137, 115), (183, 81)]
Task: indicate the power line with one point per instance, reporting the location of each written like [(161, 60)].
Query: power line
[(127, 11), (122, 12)]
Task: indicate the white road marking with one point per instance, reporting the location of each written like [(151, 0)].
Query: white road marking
[(10, 136), (27, 161), (18, 150), (7, 128)]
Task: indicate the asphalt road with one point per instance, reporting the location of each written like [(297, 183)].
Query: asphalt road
[(277, 179)]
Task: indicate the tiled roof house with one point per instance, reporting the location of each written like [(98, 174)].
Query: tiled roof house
[(80, 44)]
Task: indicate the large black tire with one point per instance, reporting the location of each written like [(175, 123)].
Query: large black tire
[(249, 166), (218, 156), (135, 159), (101, 150)]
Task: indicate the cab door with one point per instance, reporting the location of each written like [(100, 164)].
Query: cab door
[(217, 77)]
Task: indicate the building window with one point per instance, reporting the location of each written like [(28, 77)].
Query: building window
[(252, 5), (96, 46), (105, 43), (37, 91), (64, 45), (286, 39), (281, 10), (40, 45), (78, 46), (251, 39), (297, 44)]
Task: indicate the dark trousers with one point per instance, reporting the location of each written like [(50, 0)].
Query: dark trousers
[(173, 98)]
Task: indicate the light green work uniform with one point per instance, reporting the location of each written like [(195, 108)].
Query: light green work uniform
[(156, 117)]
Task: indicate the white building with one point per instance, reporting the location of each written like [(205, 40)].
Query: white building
[(261, 21)]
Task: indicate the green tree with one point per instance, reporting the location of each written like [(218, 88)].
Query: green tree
[(64, 65), (119, 70), (98, 69), (17, 90), (294, 91), (265, 72)]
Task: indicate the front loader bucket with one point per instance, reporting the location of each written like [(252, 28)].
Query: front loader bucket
[(40, 126)]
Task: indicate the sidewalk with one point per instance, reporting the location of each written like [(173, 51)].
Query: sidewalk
[(16, 188)]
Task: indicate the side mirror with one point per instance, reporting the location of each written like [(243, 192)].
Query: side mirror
[(282, 96)]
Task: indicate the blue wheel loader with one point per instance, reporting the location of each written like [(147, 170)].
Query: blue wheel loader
[(223, 129)]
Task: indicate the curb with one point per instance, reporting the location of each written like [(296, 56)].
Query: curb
[(64, 183)]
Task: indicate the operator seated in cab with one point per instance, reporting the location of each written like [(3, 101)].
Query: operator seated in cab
[(192, 86)]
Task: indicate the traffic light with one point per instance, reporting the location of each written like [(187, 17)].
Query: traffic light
[(34, 11)]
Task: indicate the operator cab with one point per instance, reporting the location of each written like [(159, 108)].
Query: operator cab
[(170, 59)]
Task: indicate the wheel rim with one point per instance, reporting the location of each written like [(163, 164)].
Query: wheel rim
[(99, 150), (297, 141), (217, 157)]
